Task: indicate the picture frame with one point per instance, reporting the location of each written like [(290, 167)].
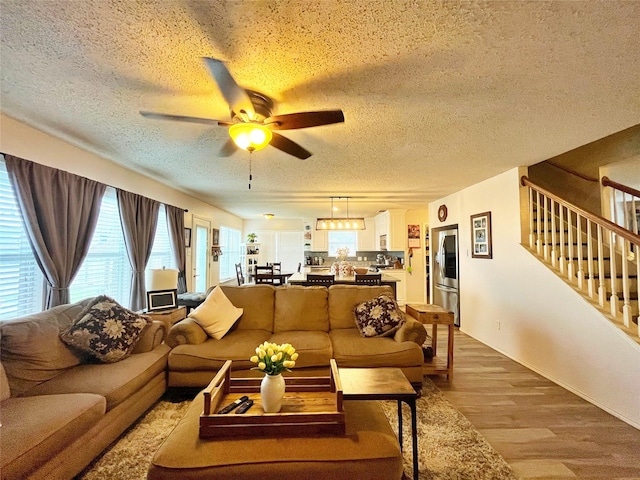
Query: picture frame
[(413, 234), (187, 237), (162, 299), (481, 236), (215, 236)]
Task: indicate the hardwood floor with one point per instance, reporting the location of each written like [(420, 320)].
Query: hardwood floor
[(542, 430)]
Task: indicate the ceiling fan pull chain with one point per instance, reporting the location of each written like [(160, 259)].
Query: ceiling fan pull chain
[(250, 176)]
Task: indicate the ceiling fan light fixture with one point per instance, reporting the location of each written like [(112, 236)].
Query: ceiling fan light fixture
[(250, 136), (268, 216)]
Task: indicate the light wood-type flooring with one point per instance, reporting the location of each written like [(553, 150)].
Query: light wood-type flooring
[(541, 429)]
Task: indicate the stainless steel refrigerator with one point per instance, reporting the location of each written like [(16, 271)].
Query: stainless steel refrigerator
[(445, 272)]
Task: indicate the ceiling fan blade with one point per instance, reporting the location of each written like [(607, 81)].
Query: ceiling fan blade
[(234, 94), (288, 146), (228, 149), (181, 118), (293, 121)]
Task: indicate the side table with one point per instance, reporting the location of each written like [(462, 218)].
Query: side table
[(435, 315), (383, 384), (170, 316)]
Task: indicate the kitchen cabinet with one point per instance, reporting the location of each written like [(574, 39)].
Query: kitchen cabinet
[(401, 285), (320, 241), (392, 224), (367, 237)]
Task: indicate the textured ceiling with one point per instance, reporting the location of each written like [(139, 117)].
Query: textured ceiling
[(436, 95)]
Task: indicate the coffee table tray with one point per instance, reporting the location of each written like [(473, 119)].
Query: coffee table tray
[(311, 406)]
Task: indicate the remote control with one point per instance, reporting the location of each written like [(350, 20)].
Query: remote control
[(233, 405), (244, 407)]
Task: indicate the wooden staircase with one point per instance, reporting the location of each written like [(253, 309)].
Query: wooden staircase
[(597, 257)]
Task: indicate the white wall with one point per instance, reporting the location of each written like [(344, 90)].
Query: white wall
[(25, 142), (516, 305)]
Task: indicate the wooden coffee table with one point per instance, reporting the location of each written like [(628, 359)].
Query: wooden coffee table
[(383, 384)]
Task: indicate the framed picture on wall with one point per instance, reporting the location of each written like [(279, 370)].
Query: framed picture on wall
[(187, 237), (413, 234), (481, 235)]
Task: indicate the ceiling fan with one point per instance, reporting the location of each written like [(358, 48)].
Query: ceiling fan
[(252, 126)]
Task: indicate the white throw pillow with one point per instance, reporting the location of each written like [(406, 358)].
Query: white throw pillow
[(216, 315)]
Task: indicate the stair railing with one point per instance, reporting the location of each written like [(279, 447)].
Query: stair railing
[(579, 246)]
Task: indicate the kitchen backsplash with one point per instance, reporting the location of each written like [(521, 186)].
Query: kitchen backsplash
[(360, 259)]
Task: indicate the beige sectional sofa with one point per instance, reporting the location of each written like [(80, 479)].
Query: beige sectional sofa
[(317, 321), (58, 413)]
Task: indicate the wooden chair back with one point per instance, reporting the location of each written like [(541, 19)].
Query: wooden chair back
[(319, 280), (264, 274), (368, 279), (239, 274), (277, 266)]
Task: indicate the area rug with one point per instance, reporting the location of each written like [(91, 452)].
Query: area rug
[(449, 447)]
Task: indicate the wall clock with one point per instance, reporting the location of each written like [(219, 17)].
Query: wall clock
[(442, 213)]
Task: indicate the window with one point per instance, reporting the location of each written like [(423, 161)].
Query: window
[(341, 239), (106, 269), (230, 244), (21, 282), (162, 253)]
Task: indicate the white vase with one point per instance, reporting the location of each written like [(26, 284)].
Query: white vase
[(272, 392)]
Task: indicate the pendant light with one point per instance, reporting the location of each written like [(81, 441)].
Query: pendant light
[(340, 223)]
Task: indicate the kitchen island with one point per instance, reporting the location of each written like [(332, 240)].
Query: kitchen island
[(300, 278)]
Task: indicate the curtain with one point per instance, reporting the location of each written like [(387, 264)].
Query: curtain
[(175, 222), (139, 218), (59, 212)]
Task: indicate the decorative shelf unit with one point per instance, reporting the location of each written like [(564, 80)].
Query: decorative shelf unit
[(250, 257)]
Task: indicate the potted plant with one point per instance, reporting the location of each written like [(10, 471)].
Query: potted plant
[(251, 237)]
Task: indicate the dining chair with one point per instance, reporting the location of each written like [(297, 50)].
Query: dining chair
[(277, 266), (368, 279), (299, 267), (319, 280), (239, 274), (264, 274)]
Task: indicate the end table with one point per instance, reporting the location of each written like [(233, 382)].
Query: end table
[(435, 315), (169, 317)]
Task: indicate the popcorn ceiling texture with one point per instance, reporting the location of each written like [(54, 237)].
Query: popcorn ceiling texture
[(437, 95)]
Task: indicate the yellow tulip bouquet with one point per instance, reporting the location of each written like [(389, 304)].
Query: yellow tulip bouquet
[(273, 359)]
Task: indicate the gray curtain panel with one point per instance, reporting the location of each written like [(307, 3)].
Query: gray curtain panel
[(138, 217), (175, 222), (60, 212)]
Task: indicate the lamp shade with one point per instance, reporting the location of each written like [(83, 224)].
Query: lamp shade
[(161, 279), (250, 136)]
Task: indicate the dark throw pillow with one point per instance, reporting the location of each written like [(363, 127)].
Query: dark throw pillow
[(105, 330), (378, 317)]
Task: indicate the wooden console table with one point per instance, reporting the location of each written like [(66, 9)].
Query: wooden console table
[(435, 315)]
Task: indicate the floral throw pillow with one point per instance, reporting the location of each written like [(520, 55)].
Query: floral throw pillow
[(105, 330), (378, 317)]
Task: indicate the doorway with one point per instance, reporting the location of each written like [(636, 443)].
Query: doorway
[(200, 259)]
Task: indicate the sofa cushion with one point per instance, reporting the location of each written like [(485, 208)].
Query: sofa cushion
[(344, 298), (237, 345), (105, 330), (257, 303), (216, 315), (34, 429), (313, 348), (5, 389), (301, 308), (350, 349), (31, 349), (114, 381), (378, 317)]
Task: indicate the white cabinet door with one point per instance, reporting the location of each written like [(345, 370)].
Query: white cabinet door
[(396, 239), (320, 242), (367, 237)]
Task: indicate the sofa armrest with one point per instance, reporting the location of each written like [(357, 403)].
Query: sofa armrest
[(152, 336), (411, 331), (186, 332)]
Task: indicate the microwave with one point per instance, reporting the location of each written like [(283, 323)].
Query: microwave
[(383, 242)]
